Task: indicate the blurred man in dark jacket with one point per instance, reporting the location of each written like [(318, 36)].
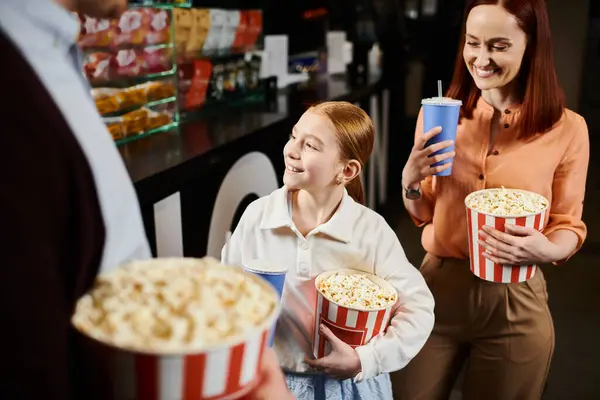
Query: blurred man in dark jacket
[(68, 209)]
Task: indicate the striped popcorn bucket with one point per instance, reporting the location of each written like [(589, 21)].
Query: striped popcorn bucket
[(221, 373), (485, 268), (353, 326), (224, 371)]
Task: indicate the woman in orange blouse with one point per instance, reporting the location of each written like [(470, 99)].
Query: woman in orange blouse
[(514, 132)]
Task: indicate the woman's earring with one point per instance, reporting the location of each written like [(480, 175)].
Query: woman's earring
[(338, 181)]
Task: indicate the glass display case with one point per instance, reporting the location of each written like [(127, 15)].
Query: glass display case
[(164, 58)]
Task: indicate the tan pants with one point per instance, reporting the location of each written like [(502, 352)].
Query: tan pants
[(503, 331)]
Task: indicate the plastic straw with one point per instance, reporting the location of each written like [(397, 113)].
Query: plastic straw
[(440, 89)]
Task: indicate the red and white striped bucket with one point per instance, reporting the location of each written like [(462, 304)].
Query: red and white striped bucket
[(485, 268), (353, 326), (221, 372)]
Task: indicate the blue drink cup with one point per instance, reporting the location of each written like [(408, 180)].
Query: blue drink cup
[(272, 273), (444, 112)]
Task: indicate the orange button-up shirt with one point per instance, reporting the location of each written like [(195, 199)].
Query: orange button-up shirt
[(553, 164)]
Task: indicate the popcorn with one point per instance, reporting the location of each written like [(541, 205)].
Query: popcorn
[(506, 202), (173, 305), (356, 291)]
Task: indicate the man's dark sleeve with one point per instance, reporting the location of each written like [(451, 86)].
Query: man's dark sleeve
[(52, 240)]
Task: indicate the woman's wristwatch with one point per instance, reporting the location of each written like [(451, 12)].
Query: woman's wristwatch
[(412, 194)]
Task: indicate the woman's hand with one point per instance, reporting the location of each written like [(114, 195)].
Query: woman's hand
[(343, 361), (420, 161), (271, 382), (518, 246)]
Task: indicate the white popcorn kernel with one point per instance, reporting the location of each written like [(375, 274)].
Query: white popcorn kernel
[(506, 202), (356, 291), (172, 304)]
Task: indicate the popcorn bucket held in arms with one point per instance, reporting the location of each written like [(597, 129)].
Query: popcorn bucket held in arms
[(180, 329), (342, 312), (495, 208)]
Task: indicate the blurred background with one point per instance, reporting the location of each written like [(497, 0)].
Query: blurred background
[(239, 73)]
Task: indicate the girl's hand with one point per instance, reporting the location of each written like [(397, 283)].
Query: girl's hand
[(518, 246), (343, 361)]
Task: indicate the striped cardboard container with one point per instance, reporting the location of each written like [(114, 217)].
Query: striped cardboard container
[(486, 269), (224, 371), (218, 374), (353, 326)]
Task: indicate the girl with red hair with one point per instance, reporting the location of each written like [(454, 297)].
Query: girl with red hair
[(315, 223)]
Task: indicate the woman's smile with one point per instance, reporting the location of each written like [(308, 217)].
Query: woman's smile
[(486, 72)]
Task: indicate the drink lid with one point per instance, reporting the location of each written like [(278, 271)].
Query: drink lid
[(264, 267), (441, 101)]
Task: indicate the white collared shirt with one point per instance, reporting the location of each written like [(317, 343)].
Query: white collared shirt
[(355, 237), (46, 35)]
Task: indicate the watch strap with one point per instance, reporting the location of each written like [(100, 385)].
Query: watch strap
[(412, 194)]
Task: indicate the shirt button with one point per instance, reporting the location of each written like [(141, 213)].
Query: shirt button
[(303, 267), (506, 111), (506, 126), (304, 246), (481, 177)]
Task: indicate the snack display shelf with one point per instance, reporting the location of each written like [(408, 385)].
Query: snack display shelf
[(92, 49), (216, 54), (160, 129), (165, 6), (130, 81), (136, 47), (150, 104), (211, 56)]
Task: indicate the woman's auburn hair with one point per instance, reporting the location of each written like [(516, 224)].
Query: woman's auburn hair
[(542, 100)]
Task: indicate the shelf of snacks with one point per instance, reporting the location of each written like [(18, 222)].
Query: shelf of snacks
[(217, 59), (150, 118), (168, 4), (131, 64), (206, 82), (136, 46), (111, 101), (164, 58), (118, 126), (200, 32)]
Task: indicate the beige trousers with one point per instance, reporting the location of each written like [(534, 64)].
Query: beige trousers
[(504, 332)]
